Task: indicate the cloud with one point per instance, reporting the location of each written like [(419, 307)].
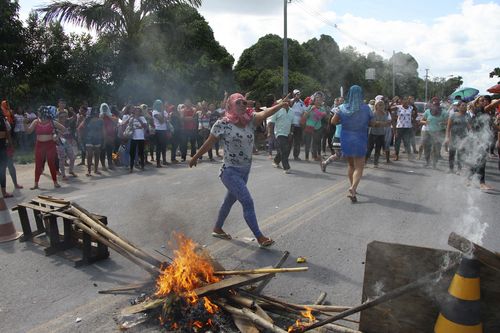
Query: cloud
[(461, 43)]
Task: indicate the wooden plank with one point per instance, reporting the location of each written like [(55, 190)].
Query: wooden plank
[(36, 207), (230, 283), (389, 266), (464, 245), (49, 203), (233, 282), (244, 324)]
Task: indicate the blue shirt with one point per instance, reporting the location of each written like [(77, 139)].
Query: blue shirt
[(282, 122)]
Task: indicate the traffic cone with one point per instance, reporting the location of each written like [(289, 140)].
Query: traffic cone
[(460, 311), (7, 230)]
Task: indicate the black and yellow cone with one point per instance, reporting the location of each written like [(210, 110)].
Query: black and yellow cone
[(460, 311)]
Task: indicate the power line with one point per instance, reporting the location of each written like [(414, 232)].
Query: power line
[(314, 13)]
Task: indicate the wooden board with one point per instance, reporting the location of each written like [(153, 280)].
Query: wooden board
[(389, 266), (232, 282)]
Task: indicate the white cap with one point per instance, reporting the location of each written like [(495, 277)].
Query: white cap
[(296, 91)]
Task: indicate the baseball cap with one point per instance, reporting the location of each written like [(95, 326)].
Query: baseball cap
[(296, 91)]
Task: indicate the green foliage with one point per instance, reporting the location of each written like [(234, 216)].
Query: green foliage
[(175, 58), (57, 65), (11, 46)]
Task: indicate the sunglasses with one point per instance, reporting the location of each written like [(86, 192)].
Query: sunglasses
[(241, 102)]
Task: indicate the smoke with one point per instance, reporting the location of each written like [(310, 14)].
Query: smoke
[(475, 145)]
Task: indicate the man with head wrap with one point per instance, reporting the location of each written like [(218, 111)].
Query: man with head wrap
[(236, 131)]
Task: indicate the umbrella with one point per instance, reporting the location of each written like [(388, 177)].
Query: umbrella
[(495, 89), (467, 94)]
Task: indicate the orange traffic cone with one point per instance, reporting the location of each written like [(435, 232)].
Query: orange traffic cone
[(7, 230), (460, 311)]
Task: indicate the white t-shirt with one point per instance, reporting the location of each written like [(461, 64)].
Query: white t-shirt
[(137, 126), (159, 126), (298, 109)]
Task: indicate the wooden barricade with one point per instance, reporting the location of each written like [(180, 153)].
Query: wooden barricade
[(47, 215)]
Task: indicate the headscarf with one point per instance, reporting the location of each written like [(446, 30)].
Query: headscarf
[(354, 101), (47, 112), (317, 94), (158, 105), (232, 114), (104, 110)]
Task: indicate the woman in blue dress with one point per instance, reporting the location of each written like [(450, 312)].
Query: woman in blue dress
[(355, 117)]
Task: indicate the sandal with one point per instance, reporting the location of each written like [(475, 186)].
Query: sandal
[(56, 185), (34, 187), (222, 235), (19, 186), (267, 243), (352, 195), (8, 195)]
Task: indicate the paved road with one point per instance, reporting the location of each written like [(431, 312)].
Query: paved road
[(306, 212)]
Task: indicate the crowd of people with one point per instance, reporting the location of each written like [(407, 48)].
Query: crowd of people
[(105, 137)]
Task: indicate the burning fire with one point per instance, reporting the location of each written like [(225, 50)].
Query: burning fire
[(310, 319), (188, 271)]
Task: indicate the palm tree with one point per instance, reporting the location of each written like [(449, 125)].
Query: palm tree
[(127, 18)]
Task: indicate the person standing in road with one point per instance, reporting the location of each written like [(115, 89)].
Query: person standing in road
[(45, 147), (456, 132), (204, 116), (190, 129), (435, 118), (139, 126), (377, 134), (313, 126), (298, 108), (236, 132), (404, 126), (355, 117), (93, 127), (162, 131), (281, 123)]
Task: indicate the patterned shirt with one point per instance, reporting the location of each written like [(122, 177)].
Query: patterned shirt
[(237, 142), (404, 117)]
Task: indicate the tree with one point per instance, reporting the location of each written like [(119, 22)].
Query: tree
[(11, 46), (121, 23)]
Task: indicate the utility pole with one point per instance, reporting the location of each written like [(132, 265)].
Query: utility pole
[(285, 51), (426, 78), (393, 74)]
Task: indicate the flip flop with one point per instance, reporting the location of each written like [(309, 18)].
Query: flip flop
[(222, 235), (352, 196), (267, 243)]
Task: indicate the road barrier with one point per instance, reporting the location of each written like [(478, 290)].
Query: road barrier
[(460, 310), (7, 229)]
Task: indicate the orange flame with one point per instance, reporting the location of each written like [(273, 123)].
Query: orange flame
[(303, 323), (188, 271)]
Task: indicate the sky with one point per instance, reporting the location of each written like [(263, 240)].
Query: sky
[(448, 37)]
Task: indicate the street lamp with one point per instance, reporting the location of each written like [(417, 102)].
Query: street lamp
[(426, 78), (285, 48)]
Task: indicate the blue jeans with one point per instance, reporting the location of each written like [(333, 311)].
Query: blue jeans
[(235, 180)]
